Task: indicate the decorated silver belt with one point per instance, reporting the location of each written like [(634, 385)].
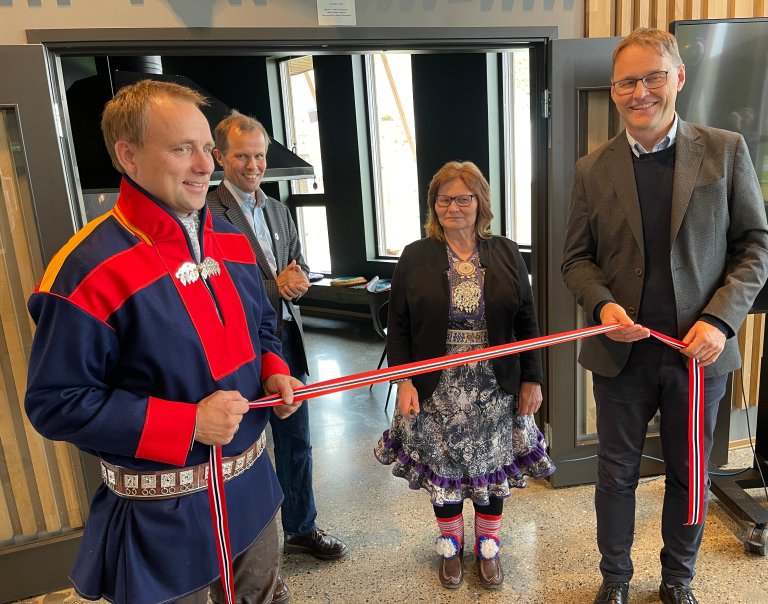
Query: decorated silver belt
[(461, 336), (131, 484)]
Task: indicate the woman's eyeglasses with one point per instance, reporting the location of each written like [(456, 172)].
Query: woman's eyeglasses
[(461, 200)]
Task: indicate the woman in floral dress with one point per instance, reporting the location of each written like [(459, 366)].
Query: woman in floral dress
[(466, 432)]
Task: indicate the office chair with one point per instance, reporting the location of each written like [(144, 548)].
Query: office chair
[(378, 303)]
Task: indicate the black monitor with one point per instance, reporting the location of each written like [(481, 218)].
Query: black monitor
[(726, 66)]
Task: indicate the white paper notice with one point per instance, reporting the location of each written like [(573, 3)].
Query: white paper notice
[(336, 12)]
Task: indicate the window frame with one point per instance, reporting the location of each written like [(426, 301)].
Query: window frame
[(377, 184), (288, 116)]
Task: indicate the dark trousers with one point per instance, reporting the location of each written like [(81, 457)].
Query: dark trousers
[(255, 572), (653, 379), (293, 449)]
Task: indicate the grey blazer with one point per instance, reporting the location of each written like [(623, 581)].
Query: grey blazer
[(719, 247), (285, 243)]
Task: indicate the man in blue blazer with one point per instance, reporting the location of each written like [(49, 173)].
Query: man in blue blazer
[(241, 150), (666, 231)]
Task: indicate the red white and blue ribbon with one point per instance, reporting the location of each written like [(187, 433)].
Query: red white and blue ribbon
[(696, 469), (220, 521), (407, 370), (696, 490)]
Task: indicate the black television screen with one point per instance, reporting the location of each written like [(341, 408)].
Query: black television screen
[(726, 86)]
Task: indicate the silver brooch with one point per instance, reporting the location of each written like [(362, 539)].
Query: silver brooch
[(189, 272)]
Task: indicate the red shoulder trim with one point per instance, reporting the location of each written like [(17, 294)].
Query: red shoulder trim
[(112, 282)]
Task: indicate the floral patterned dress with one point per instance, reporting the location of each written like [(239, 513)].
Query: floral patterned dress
[(467, 442)]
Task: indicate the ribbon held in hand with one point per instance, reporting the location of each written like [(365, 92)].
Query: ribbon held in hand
[(696, 469), (407, 370), (695, 418)]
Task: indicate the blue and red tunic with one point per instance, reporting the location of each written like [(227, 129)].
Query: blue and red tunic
[(122, 353)]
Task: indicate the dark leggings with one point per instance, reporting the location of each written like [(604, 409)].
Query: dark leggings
[(450, 510)]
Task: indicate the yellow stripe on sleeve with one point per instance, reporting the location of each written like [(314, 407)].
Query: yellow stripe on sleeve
[(52, 271)]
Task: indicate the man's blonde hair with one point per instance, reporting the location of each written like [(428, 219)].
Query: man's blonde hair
[(473, 178), (244, 123), (661, 41), (125, 115)]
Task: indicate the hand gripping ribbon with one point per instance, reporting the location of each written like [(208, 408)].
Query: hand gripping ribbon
[(696, 470)]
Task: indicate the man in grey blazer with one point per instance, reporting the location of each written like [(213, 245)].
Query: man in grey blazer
[(241, 149), (666, 231)]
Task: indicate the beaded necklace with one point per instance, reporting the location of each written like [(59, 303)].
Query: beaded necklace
[(466, 283)]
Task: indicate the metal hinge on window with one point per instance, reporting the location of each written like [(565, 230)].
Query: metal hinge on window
[(546, 103), (57, 120)]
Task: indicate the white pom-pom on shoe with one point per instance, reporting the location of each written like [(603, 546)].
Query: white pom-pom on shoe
[(488, 547), (447, 546)]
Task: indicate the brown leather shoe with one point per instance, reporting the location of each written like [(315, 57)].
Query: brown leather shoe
[(318, 543), (280, 595), (451, 571), (490, 572)]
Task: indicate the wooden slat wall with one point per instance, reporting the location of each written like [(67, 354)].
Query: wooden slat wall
[(607, 18), (41, 485), (746, 383)]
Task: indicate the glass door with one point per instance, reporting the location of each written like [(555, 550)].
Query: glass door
[(44, 485), (583, 118)]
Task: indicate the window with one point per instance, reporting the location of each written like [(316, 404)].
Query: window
[(516, 88), (312, 225), (301, 121), (393, 149), (301, 128)]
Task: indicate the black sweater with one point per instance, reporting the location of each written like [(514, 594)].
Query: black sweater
[(654, 175)]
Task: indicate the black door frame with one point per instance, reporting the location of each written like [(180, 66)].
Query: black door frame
[(578, 67)]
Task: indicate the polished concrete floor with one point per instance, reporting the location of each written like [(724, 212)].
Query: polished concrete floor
[(549, 553)]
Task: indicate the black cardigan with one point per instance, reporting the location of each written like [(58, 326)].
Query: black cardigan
[(419, 304)]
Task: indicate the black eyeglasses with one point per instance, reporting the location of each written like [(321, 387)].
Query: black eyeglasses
[(654, 80), (461, 200)]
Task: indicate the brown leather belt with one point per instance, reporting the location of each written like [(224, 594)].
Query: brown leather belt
[(131, 484)]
